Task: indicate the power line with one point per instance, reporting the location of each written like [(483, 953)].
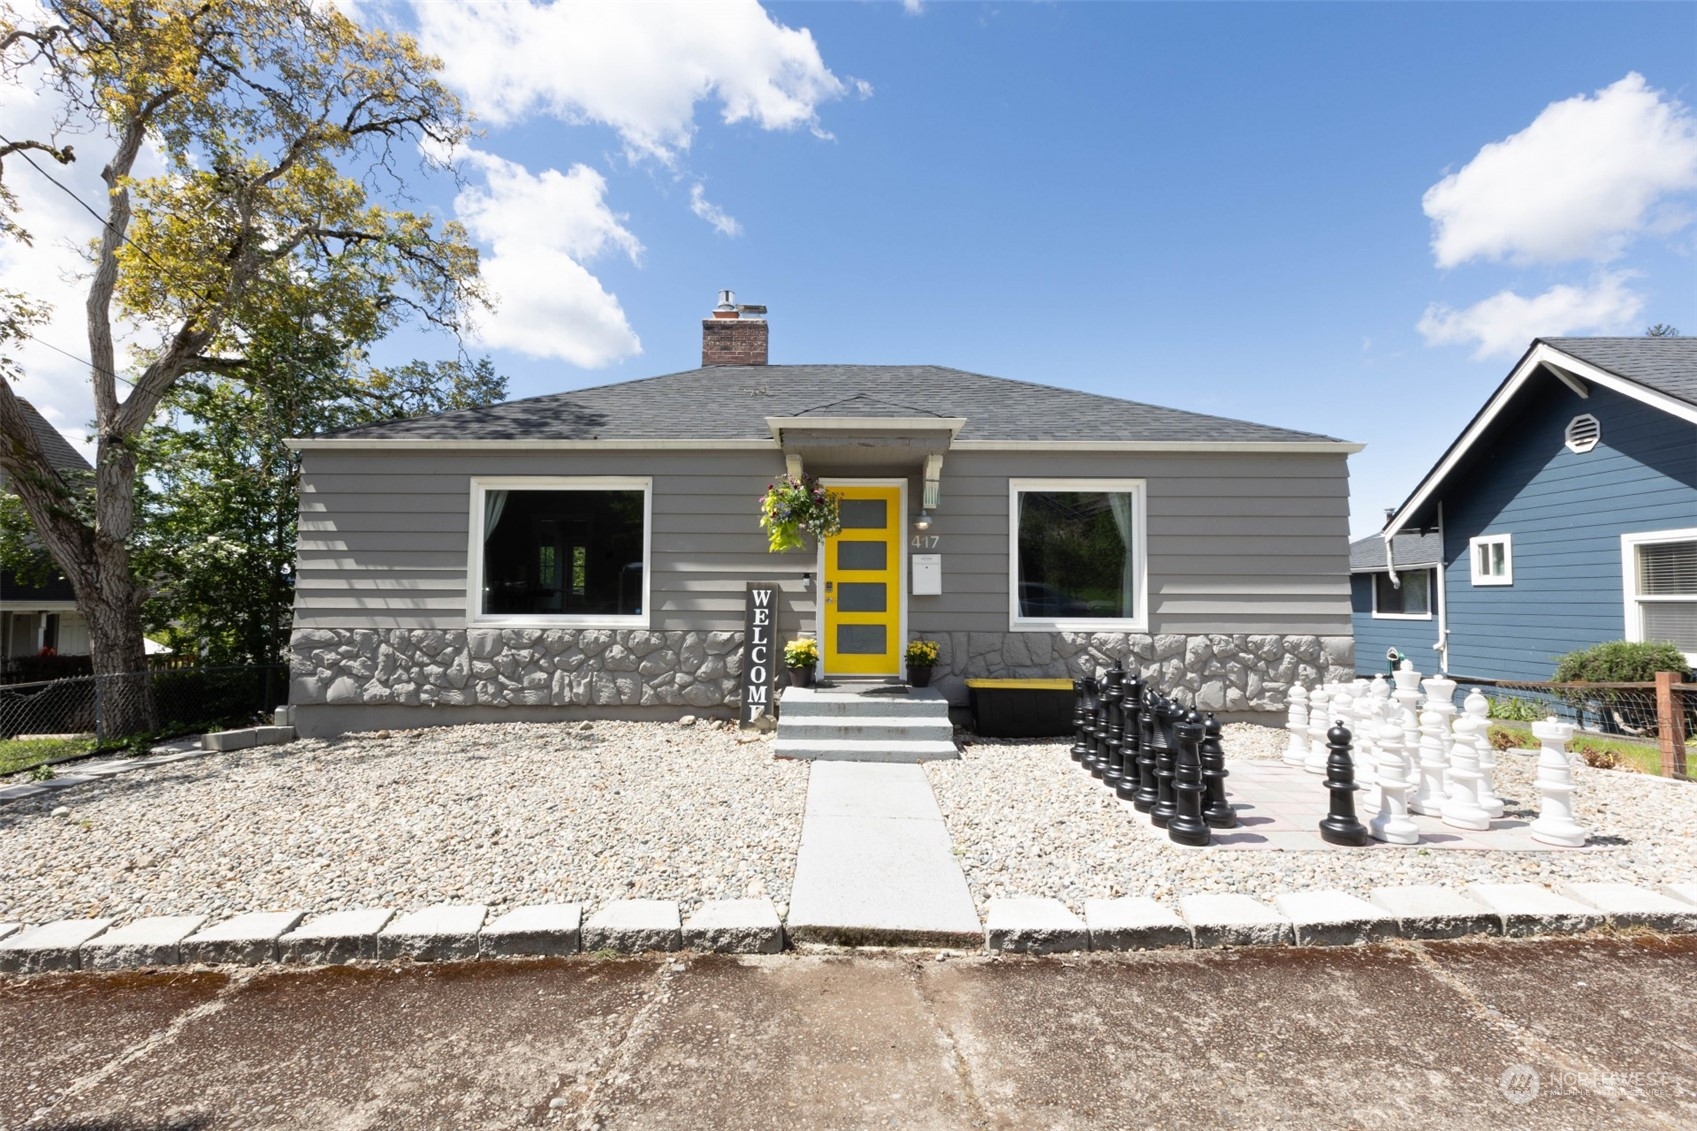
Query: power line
[(78, 359)]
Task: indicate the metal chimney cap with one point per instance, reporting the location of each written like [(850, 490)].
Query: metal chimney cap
[(727, 301)]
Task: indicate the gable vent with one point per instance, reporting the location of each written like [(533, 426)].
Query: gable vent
[(1583, 432)]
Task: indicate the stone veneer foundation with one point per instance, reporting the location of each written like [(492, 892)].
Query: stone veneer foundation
[(607, 668)]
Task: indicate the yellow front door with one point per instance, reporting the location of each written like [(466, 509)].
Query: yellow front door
[(863, 592)]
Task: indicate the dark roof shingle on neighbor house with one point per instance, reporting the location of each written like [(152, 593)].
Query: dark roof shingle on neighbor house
[(60, 454), (1667, 365), (1368, 554), (733, 402)]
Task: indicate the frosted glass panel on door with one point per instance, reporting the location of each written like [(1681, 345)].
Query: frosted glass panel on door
[(862, 555), (860, 639), (864, 514), (862, 597)]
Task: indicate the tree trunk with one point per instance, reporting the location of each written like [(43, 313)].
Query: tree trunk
[(112, 603)]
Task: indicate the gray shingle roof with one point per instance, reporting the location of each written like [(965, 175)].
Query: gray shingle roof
[(59, 451), (1667, 365), (1368, 554), (732, 403)]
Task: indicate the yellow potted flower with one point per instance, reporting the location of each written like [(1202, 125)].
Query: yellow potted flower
[(800, 656), (921, 658)]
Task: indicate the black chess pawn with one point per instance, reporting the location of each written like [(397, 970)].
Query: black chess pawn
[(1186, 825), (1216, 810), (1148, 787), (1131, 740), (1339, 826), (1080, 742), (1087, 728), (1113, 686), (1167, 713)]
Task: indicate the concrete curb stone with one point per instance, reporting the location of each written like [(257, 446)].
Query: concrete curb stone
[(1629, 906), (228, 740), (1430, 911), (1335, 918), (154, 941), (1025, 925), (735, 926), (1685, 893), (246, 940), (1233, 920), (341, 936), (435, 934), (51, 946), (1532, 909), (632, 926), (273, 735), (548, 929), (10, 929), (1134, 923)]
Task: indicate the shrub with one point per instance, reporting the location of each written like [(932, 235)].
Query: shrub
[(1517, 710), (1619, 661), (1602, 759)]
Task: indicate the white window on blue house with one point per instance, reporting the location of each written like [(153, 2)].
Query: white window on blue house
[(1078, 555), (559, 551), (1659, 572), (1492, 556), (1409, 600)]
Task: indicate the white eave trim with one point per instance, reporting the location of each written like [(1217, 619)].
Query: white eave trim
[(950, 424), (1573, 372), (1300, 447)]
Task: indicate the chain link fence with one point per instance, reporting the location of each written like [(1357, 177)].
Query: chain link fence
[(157, 703)]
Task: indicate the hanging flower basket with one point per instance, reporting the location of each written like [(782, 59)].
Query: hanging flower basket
[(795, 506)]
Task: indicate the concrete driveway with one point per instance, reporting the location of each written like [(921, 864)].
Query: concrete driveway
[(1395, 1036)]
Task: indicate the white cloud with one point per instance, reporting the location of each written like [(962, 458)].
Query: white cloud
[(723, 222), (1504, 324), (1580, 182), (540, 230), (639, 68), (913, 7)]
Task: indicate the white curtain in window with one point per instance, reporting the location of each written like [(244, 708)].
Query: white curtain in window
[(494, 502), (1121, 504)]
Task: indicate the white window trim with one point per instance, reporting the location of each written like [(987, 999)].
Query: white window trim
[(1137, 488), (1629, 544), (1403, 571), (475, 618), (1473, 545)]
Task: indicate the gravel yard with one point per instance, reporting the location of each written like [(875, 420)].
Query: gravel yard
[(1027, 821), (500, 814)]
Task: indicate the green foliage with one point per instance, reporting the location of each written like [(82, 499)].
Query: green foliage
[(1619, 661), (1517, 710), (802, 652), (795, 506), (24, 753)]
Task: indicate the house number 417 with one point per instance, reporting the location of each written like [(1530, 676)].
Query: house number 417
[(926, 541)]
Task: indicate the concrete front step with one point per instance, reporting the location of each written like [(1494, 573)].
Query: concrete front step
[(813, 702), (863, 749), (884, 728)]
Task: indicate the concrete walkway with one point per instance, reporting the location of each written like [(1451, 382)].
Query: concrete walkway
[(876, 865), (1392, 1036)]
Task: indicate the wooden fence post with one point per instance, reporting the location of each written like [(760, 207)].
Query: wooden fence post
[(1670, 724)]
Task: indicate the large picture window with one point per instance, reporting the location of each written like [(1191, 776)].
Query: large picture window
[(1078, 554), (1411, 599), (571, 551), (1659, 570)]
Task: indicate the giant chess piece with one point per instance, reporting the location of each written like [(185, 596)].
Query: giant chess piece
[(1480, 708), (1080, 741), (1296, 721), (1555, 823), (1166, 715), (1086, 743), (1131, 770), (1435, 744), (1405, 712), (1391, 823), (1216, 809), (1186, 825), (1462, 809), (1315, 760), (1113, 686), (1317, 705), (1148, 784), (1340, 826)]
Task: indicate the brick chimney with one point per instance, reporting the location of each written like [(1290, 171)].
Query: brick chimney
[(732, 338)]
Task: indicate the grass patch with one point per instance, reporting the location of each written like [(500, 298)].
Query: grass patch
[(1644, 757), (24, 753)]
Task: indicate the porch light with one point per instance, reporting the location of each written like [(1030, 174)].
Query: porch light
[(923, 522)]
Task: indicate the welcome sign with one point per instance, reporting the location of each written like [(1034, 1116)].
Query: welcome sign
[(759, 661)]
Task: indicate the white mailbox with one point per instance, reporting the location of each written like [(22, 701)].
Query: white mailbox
[(927, 573)]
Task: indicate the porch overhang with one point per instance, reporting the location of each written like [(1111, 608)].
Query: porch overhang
[(862, 441)]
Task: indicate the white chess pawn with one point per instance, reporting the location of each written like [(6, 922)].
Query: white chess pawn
[(1462, 810), (1318, 725), (1296, 753), (1555, 823), (1480, 708), (1341, 711), (1392, 824), (1369, 717), (1429, 795)]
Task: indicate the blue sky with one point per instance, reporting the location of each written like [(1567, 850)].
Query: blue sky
[(1216, 207)]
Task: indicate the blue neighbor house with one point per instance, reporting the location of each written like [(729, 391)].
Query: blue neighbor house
[(1564, 515)]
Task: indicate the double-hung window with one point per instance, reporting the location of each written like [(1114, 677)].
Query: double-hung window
[(1412, 599), (565, 551), (1659, 573), (1077, 555)]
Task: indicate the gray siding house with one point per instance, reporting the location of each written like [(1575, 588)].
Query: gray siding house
[(587, 553)]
